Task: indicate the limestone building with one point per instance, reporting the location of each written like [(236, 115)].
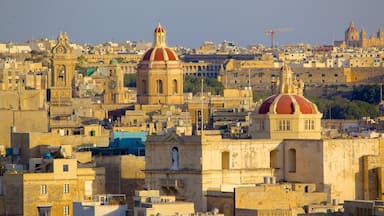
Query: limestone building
[(160, 73), (354, 38), (195, 167), (51, 192)]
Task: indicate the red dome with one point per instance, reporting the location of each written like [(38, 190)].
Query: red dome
[(264, 108), (160, 54), (287, 104)]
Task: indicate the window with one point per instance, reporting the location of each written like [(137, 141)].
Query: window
[(43, 189), (309, 125), (174, 87), (44, 210), (292, 160), (144, 85), (160, 86), (273, 157), (284, 125), (65, 168), (225, 160), (66, 188), (262, 125), (66, 210)]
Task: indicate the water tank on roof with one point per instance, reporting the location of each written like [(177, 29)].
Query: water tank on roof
[(47, 155)]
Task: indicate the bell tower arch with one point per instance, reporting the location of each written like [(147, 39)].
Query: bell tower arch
[(62, 71)]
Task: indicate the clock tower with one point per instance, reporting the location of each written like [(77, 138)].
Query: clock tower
[(62, 72), (114, 84)]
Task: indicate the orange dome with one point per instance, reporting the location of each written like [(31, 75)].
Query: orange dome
[(287, 104), (160, 54)]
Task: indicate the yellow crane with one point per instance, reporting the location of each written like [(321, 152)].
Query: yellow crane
[(272, 32)]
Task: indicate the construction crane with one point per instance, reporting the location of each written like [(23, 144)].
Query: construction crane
[(272, 32)]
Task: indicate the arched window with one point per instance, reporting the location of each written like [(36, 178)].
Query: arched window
[(225, 160), (174, 86), (144, 86), (175, 158), (292, 160), (273, 157), (160, 86)]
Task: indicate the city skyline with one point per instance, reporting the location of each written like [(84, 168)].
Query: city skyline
[(188, 23)]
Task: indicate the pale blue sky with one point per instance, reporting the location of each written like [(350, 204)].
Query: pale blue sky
[(188, 23)]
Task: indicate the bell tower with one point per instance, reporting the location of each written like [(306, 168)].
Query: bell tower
[(62, 71)]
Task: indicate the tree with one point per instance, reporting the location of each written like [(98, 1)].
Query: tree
[(342, 108), (193, 84), (367, 93)]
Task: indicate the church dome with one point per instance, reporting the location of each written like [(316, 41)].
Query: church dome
[(290, 100), (160, 54), (160, 50), (287, 104)]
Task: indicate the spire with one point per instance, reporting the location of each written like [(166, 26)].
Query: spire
[(60, 36), (159, 36), (380, 32), (285, 79), (352, 27), (289, 85)]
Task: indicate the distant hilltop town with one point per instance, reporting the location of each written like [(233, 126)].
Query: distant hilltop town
[(354, 38), (144, 129)]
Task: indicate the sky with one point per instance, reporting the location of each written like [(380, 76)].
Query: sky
[(188, 23)]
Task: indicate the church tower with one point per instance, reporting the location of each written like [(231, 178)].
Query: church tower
[(160, 74), (352, 36), (62, 71), (363, 38)]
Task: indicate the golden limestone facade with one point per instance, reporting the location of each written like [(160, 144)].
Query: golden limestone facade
[(52, 192), (354, 38), (305, 168), (63, 71), (160, 74)]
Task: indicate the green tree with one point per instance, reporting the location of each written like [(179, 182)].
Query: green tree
[(342, 108), (367, 93), (193, 84)]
